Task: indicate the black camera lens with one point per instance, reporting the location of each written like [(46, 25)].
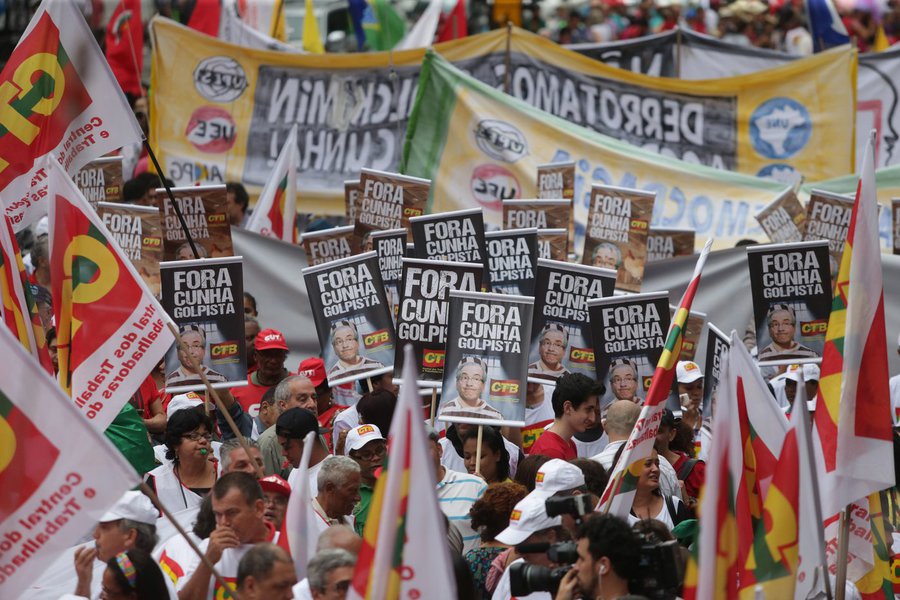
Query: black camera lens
[(525, 578)]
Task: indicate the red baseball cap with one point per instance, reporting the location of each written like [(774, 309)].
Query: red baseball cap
[(274, 483), (270, 339), (314, 369)]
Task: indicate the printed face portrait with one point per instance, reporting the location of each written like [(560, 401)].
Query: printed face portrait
[(345, 344), (196, 345), (782, 326), (553, 347), (624, 382), (606, 256), (470, 383)]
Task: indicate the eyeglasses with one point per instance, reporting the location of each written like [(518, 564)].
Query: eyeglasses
[(473, 379), (276, 500), (339, 586), (370, 455), (553, 344), (627, 379), (196, 437)]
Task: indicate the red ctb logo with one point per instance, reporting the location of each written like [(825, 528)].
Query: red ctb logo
[(376, 338), (433, 359), (503, 387), (224, 350), (515, 515), (813, 327), (581, 355)]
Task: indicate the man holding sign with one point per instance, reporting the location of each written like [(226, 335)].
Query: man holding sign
[(470, 378)]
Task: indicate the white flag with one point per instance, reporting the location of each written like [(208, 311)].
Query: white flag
[(276, 210)]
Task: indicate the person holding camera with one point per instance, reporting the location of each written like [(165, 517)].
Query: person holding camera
[(608, 560)]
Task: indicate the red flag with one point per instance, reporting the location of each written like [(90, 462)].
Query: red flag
[(206, 16), (125, 46), (454, 24)]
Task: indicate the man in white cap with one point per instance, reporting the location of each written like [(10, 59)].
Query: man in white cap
[(895, 394), (690, 382), (130, 523), (560, 478), (367, 447), (811, 374)]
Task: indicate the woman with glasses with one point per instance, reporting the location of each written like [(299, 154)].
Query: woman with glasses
[(190, 470)]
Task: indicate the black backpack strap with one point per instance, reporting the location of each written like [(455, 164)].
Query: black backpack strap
[(684, 471)]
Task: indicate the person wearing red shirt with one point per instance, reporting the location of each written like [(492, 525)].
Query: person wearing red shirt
[(271, 352), (148, 401), (326, 408), (690, 471), (575, 401)]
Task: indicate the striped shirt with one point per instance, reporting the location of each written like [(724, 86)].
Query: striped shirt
[(457, 492)]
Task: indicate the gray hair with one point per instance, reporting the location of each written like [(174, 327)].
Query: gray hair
[(335, 469), (230, 446), (283, 389), (145, 534), (325, 562), (335, 537), (259, 560)]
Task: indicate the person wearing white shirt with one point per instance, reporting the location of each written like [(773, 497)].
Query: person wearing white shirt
[(291, 429), (338, 483)]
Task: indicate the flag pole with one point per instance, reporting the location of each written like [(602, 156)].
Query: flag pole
[(219, 405), (148, 491), (433, 404), (162, 178), (840, 584), (478, 450)]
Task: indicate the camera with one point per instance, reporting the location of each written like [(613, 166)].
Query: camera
[(577, 506), (525, 578), (660, 566)]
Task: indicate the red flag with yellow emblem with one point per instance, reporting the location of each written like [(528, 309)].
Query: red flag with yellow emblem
[(111, 331)]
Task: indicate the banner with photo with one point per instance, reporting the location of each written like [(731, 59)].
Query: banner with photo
[(553, 244), (784, 221), (557, 180), (791, 287), (551, 213), (353, 319), (205, 211), (828, 218), (628, 334), (478, 145), (386, 201), (691, 334), (205, 299), (423, 315), (717, 346), (138, 230), (616, 236), (512, 260), (455, 236), (561, 335), (327, 245), (663, 244), (486, 359), (101, 180), (390, 247)]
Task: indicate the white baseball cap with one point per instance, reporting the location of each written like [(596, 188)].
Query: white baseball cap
[(810, 372), (557, 475), (360, 436), (687, 371), (182, 401), (529, 516), (133, 506)]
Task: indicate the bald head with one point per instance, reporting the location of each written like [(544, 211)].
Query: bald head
[(620, 419), (339, 536)]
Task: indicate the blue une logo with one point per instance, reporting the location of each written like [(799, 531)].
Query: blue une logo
[(780, 128)]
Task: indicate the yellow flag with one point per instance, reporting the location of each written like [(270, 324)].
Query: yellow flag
[(278, 30), (312, 41), (881, 41)]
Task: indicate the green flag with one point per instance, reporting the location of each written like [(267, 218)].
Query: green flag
[(128, 433), (383, 25)]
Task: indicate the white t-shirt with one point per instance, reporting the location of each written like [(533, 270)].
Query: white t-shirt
[(227, 566), (664, 516), (313, 478), (589, 449), (502, 591), (301, 590), (668, 479), (895, 400)]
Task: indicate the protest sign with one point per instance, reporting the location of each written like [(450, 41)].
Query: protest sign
[(424, 305), (784, 220), (390, 247), (327, 245), (486, 360), (716, 204), (628, 334), (353, 318), (351, 193), (205, 212), (553, 244), (669, 243), (616, 237), (543, 214), (791, 287), (205, 298), (138, 231), (828, 218), (61, 101), (457, 236), (512, 260), (557, 180), (561, 335), (387, 201), (895, 212), (717, 345), (59, 474), (101, 180), (690, 335)]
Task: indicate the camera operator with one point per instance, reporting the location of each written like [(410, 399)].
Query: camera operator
[(608, 558)]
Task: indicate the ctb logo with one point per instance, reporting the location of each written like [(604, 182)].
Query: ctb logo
[(433, 359), (375, 339), (581, 355)]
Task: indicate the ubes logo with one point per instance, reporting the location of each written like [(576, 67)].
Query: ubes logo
[(503, 387), (433, 359), (375, 339), (500, 140), (813, 327), (581, 355), (220, 79), (223, 350)]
